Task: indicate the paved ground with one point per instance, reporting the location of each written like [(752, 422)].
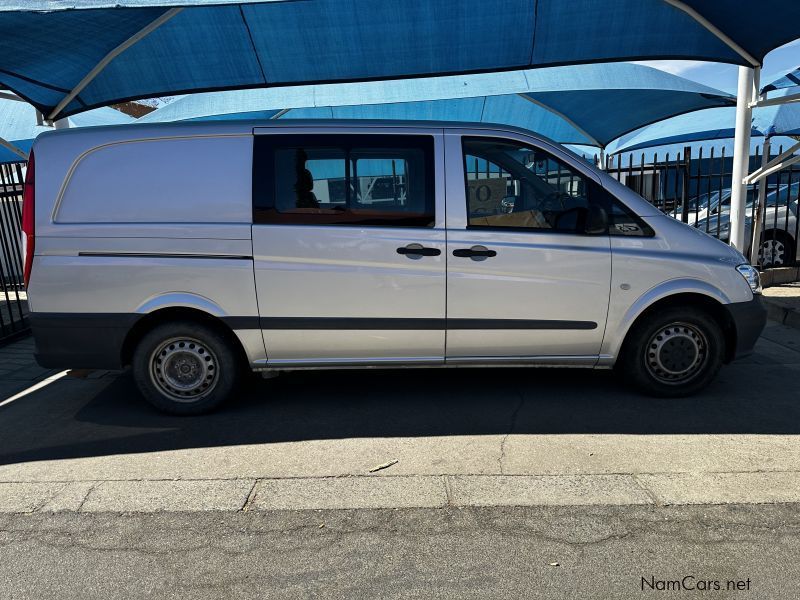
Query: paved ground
[(18, 369), (783, 303), (461, 437), (601, 553), (499, 474), (13, 310)]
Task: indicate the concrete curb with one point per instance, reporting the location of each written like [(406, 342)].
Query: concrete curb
[(779, 311), (779, 275), (414, 491)]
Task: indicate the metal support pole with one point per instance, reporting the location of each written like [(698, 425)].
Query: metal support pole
[(98, 68), (61, 124), (779, 163), (779, 101), (6, 144), (741, 155), (4, 95), (758, 217), (686, 183)]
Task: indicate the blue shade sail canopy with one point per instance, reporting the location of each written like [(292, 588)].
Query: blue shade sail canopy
[(19, 127), (581, 104), (712, 124), (783, 119), (790, 79), (68, 61)]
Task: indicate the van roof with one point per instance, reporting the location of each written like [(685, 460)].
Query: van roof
[(243, 126)]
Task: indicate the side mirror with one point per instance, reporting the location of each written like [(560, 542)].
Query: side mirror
[(596, 220)]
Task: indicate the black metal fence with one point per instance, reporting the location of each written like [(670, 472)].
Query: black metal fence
[(13, 300), (695, 187)]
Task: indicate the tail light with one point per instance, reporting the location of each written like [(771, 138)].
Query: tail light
[(28, 220)]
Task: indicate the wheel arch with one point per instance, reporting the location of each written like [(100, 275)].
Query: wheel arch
[(694, 300), (778, 233), (168, 314), (679, 292)]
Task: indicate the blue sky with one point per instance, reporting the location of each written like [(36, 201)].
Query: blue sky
[(723, 77)]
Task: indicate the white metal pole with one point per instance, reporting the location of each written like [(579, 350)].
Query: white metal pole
[(61, 123), (6, 144), (98, 68), (4, 95), (758, 217), (741, 156)]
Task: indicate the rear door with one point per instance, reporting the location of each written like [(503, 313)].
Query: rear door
[(348, 244), (525, 280)]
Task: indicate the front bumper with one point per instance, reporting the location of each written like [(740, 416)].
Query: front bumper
[(749, 319)]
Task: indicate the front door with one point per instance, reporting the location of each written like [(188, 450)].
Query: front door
[(525, 280), (349, 246)]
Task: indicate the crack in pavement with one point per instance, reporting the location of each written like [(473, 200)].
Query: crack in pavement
[(239, 533)]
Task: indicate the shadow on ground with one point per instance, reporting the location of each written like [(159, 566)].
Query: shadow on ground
[(77, 418)]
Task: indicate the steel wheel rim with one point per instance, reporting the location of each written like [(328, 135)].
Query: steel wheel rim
[(184, 369), (676, 353), (772, 252)]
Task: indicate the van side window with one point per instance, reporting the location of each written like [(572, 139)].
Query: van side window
[(309, 178), (344, 180), (623, 222), (512, 185)]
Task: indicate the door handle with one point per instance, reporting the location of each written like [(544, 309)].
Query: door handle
[(418, 251), (475, 253)]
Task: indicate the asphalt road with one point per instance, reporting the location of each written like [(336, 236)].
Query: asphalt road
[(601, 553)]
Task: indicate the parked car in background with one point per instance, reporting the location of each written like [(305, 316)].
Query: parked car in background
[(779, 237), (193, 252), (700, 207)]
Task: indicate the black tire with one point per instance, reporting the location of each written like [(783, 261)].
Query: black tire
[(186, 368), (783, 245), (672, 353)]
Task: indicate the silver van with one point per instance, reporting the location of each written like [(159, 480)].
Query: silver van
[(196, 251)]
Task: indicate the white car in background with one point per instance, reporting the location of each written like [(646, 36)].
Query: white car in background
[(779, 240)]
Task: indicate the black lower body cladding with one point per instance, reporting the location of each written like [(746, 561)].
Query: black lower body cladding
[(749, 319), (95, 340), (80, 341)]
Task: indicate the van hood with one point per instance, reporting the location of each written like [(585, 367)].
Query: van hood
[(690, 240)]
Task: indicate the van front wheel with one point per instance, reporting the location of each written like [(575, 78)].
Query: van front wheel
[(676, 352), (185, 368)]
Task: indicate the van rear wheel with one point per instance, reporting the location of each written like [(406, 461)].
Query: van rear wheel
[(185, 368), (673, 353)]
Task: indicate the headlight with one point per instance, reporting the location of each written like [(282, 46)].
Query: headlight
[(751, 276)]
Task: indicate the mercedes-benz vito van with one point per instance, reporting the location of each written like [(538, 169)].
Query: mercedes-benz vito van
[(194, 251)]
